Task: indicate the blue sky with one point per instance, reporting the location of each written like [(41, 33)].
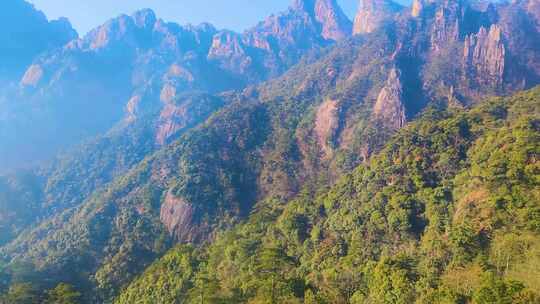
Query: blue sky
[(232, 14)]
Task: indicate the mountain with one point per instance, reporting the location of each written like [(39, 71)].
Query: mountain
[(25, 34), (446, 212), (373, 14), (167, 74), (160, 90), (142, 64), (365, 146)]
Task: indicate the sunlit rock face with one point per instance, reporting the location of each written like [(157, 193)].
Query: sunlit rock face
[(372, 14), (447, 24), (177, 216), (389, 108), (484, 56), (326, 125), (333, 21)]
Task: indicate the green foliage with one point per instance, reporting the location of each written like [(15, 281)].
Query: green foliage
[(22, 293), (255, 147), (441, 215), (166, 281), (63, 294), (420, 220), (19, 203), (389, 282)]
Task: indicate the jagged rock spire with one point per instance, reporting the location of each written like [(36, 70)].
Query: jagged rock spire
[(372, 14), (335, 25), (417, 8), (484, 56), (389, 107), (448, 22), (144, 18)]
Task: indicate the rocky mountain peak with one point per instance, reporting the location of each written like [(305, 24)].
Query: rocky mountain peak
[(335, 25), (133, 30), (117, 29), (448, 22), (372, 14), (144, 18), (25, 33)]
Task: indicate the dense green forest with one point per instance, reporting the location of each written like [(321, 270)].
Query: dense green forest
[(447, 212)]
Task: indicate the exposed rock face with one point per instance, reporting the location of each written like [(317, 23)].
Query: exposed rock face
[(145, 18), (326, 125), (447, 23), (132, 108), (32, 76), (306, 25), (168, 93), (372, 14), (178, 71), (177, 216), (389, 108), (335, 24), (484, 56), (417, 8), (229, 50), (182, 112), (521, 34), (90, 79), (170, 122)]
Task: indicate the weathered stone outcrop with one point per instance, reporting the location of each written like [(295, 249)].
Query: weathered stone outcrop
[(171, 119), (326, 125), (177, 216), (335, 24), (228, 48), (182, 111), (168, 93), (307, 24), (145, 18), (132, 108), (484, 56), (120, 29), (447, 23), (389, 108), (417, 8), (179, 72), (372, 14), (33, 76)]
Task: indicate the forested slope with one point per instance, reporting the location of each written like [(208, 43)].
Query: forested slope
[(447, 212)]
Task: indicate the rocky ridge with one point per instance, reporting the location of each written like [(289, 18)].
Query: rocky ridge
[(94, 80), (373, 14), (25, 33)]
